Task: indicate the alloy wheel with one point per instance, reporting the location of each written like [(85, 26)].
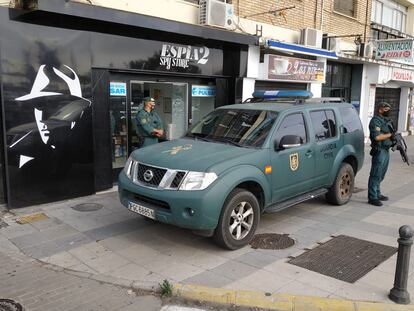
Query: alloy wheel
[(241, 220)]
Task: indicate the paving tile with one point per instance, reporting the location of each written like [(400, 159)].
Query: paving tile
[(114, 229), (320, 281), (283, 268), (378, 279), (234, 270), (362, 292), (37, 238), (134, 272), (261, 280), (389, 219), (62, 259), (209, 278), (256, 259), (302, 289)]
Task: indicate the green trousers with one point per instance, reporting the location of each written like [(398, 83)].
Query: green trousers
[(379, 167)]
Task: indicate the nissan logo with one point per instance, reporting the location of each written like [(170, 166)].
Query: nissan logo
[(148, 175)]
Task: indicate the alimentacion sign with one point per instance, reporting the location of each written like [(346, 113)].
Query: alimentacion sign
[(395, 49)]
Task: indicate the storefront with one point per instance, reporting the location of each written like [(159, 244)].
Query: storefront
[(392, 85), (343, 80), (70, 93), (292, 67)]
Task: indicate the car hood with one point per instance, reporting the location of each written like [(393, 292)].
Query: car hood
[(189, 154)]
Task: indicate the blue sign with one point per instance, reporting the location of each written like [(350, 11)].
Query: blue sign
[(203, 91), (117, 89)]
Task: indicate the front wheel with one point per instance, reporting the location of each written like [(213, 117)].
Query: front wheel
[(238, 220), (343, 186)]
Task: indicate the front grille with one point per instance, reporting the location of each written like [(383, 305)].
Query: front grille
[(157, 174), (177, 179), (151, 201)]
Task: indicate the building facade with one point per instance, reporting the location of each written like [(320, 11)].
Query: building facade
[(73, 77)]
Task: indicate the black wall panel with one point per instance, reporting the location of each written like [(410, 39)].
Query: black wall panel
[(47, 112)]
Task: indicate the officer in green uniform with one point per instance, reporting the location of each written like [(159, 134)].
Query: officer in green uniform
[(380, 136), (149, 124)]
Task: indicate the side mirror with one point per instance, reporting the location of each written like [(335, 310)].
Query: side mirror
[(288, 141)]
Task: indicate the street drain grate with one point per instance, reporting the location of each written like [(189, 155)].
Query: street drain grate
[(344, 258), (356, 189), (10, 305), (271, 241), (87, 207)]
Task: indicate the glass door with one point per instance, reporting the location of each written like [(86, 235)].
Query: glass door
[(171, 102), (118, 122)]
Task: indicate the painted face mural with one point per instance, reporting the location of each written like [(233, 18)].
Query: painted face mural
[(52, 127)]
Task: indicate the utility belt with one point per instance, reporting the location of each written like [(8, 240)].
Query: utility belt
[(375, 149)]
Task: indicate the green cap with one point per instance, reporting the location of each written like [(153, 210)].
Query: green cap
[(148, 99), (384, 105)]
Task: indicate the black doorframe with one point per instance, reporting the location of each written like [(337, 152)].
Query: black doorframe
[(105, 176)]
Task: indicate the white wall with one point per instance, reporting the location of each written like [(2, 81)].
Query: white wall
[(169, 9), (403, 114)]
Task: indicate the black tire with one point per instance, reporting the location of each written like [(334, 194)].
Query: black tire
[(237, 199), (341, 190)]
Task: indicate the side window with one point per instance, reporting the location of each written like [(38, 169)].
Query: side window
[(293, 124), (350, 119), (324, 124)]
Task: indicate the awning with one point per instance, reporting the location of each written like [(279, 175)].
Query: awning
[(300, 49)]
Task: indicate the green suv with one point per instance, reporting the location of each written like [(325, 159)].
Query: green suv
[(246, 159)]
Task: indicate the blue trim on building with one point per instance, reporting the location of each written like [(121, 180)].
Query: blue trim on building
[(301, 49)]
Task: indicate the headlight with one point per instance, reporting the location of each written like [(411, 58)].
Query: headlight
[(128, 167), (197, 181)]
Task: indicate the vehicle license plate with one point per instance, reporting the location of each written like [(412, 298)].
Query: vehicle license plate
[(144, 211)]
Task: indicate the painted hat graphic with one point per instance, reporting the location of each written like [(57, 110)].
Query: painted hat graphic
[(42, 81)]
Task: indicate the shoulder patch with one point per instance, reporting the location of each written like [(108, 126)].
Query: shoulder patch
[(143, 120)]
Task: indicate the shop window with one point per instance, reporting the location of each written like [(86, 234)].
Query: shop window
[(324, 124), (338, 81), (345, 7)]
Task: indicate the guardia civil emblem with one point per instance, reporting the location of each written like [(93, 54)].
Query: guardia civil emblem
[(177, 149), (294, 161)]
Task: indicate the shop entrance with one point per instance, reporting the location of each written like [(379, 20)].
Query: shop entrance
[(391, 96), (171, 99)]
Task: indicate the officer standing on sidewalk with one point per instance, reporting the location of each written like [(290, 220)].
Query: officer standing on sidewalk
[(149, 123), (380, 136)]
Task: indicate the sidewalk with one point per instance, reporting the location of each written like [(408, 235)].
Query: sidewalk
[(117, 246)]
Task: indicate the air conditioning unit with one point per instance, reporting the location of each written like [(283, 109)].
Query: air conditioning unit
[(311, 37), (216, 13), (367, 50), (334, 44)]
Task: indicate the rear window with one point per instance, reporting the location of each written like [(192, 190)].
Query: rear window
[(350, 119)]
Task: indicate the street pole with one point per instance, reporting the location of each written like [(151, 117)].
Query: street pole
[(399, 293)]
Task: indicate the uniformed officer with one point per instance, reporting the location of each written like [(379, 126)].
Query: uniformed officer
[(380, 136), (149, 124)]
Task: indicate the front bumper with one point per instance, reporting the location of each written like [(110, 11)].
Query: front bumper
[(197, 210)]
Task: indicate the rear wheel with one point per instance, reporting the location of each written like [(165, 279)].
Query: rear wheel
[(238, 221), (343, 186)]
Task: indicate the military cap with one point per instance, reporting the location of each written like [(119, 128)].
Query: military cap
[(148, 99), (384, 105)]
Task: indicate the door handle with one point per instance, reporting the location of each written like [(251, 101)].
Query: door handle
[(308, 153)]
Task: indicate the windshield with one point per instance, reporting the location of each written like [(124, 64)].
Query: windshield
[(241, 127)]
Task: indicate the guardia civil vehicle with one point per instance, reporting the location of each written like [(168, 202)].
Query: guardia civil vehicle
[(243, 160)]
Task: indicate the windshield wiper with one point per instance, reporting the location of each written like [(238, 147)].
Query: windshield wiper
[(229, 141), (197, 136)]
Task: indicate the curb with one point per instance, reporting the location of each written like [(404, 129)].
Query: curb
[(280, 302)]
